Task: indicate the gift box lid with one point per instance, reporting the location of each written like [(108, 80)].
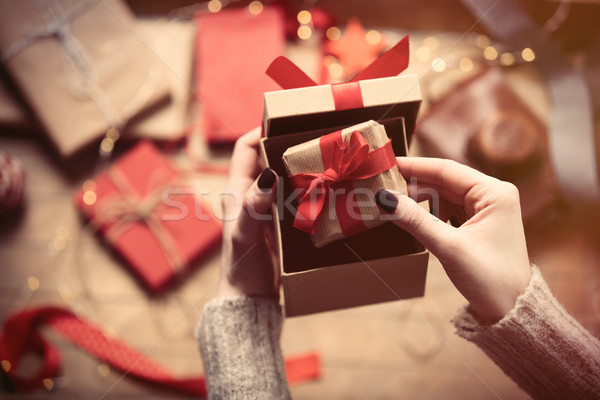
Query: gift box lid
[(302, 109)]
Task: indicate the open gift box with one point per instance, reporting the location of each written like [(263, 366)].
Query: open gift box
[(382, 264)]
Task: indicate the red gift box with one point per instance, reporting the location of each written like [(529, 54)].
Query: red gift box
[(233, 50), (156, 223)]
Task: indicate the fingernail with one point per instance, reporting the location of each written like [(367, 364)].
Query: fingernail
[(266, 180), (386, 201), (454, 222)]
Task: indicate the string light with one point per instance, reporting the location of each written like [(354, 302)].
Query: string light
[(304, 32), (214, 6), (103, 370), (33, 283), (336, 70), (431, 42), (507, 59), (333, 33), (6, 366), (465, 64), (89, 197), (490, 53), (48, 383), (423, 53), (113, 134), (373, 37), (255, 7), (482, 41), (107, 145), (527, 54), (304, 17), (438, 65)]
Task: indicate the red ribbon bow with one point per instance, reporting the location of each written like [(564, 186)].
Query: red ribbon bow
[(341, 164), (391, 63)]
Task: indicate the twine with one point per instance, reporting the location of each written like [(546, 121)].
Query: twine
[(126, 208)]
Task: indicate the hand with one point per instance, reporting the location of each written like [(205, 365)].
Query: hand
[(247, 260), (485, 257)]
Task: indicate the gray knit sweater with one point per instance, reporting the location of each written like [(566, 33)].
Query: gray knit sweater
[(537, 344)]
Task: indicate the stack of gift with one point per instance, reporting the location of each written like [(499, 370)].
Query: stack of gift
[(79, 67)]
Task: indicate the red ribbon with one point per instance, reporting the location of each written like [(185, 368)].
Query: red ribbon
[(342, 164), (345, 95), (21, 336)]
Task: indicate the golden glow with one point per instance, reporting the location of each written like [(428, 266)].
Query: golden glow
[(482, 41), (423, 53), (62, 231), (490, 53), (336, 70), (103, 370), (48, 383), (255, 7), (304, 17), (33, 283), (528, 55), (333, 33), (89, 185), (113, 134), (507, 59), (373, 37), (59, 243), (214, 6), (431, 42), (438, 65), (6, 365), (89, 197), (304, 32), (465, 64), (107, 145)]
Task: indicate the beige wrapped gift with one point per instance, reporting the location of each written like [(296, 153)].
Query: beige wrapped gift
[(348, 204), (80, 66)]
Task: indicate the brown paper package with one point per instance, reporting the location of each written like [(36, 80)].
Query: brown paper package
[(306, 158), (97, 40)]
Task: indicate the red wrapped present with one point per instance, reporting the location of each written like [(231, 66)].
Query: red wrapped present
[(151, 218), (233, 50)]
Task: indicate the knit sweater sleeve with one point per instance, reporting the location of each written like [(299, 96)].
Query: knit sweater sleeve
[(539, 345), (239, 343)]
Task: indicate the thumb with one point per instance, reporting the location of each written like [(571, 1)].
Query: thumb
[(257, 202), (410, 216)]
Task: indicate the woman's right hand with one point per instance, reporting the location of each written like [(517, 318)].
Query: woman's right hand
[(485, 257)]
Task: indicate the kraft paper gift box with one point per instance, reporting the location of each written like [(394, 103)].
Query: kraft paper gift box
[(382, 264), (80, 66), (365, 163), (153, 220), (173, 43)]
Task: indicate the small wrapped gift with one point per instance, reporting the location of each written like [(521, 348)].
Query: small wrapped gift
[(338, 175), (80, 66), (149, 216)]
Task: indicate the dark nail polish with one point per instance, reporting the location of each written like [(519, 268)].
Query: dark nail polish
[(454, 222), (266, 180), (386, 201)]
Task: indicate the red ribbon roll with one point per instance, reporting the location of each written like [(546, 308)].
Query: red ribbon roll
[(342, 164)]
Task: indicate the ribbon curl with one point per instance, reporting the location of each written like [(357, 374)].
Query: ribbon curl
[(342, 163)]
